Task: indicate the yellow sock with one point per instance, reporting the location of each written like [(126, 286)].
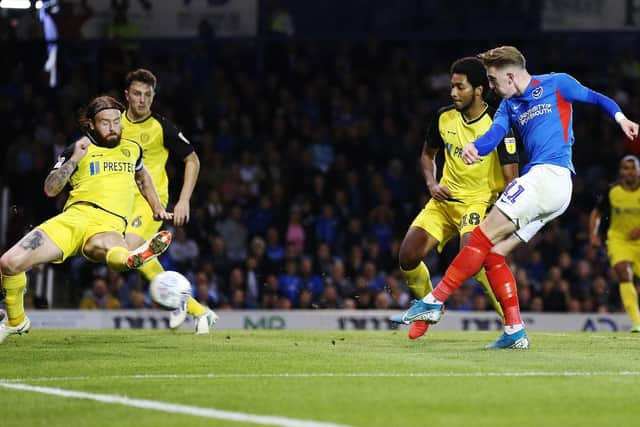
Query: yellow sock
[(481, 277), (14, 300), (629, 298), (194, 308), (419, 280), (117, 258), (151, 269)]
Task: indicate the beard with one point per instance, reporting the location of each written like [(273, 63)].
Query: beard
[(462, 107), (111, 140)]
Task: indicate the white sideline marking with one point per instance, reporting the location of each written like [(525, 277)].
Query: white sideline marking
[(4, 381), (174, 408)]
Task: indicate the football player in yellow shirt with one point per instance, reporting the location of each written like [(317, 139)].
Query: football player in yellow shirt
[(103, 171), (621, 206), (459, 201), (159, 138)]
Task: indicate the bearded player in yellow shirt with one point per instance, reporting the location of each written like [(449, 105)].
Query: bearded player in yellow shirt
[(459, 201), (621, 207), (158, 138), (103, 170)]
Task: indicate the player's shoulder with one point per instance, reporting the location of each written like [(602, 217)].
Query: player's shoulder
[(557, 77), (130, 142), (446, 109), (162, 119), (490, 111), (448, 112), (615, 186)]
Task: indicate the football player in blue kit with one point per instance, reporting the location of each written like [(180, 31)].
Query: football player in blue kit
[(539, 108)]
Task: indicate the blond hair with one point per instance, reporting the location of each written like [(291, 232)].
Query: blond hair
[(503, 56)]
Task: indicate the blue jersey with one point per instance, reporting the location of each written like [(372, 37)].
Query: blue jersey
[(543, 115)]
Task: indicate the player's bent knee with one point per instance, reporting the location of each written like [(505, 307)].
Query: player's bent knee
[(10, 264), (408, 258)]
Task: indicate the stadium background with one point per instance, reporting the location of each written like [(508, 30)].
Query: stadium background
[(309, 123)]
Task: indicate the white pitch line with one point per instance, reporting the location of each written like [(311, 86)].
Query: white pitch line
[(329, 375), (174, 408)]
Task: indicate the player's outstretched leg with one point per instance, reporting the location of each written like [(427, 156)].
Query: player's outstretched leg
[(504, 285), (151, 249)]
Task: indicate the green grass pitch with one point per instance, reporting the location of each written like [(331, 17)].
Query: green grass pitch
[(353, 378)]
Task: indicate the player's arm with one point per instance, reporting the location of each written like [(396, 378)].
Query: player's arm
[(473, 151), (572, 90), (432, 145), (65, 167), (508, 155), (148, 190), (191, 170), (595, 220), (179, 145)]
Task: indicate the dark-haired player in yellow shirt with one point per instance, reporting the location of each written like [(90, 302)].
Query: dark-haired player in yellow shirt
[(621, 207), (460, 200), (103, 171), (158, 138)]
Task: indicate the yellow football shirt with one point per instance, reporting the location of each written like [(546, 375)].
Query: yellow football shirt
[(105, 177), (482, 181), (157, 136), (621, 209)]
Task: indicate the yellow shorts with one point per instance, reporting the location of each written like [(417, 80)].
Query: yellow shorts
[(71, 229), (624, 250), (141, 220), (445, 220)]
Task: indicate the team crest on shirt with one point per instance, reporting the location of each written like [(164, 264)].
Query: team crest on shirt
[(137, 222), (126, 152), (510, 145), (537, 92), (144, 137)]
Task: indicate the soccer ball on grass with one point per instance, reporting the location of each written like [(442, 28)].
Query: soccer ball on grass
[(169, 289)]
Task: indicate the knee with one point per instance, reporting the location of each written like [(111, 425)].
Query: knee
[(493, 260), (408, 257), (10, 265)]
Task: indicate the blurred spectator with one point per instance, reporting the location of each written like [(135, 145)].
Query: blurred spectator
[(183, 250), (99, 297), (234, 233)]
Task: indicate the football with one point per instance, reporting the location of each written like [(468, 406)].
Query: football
[(169, 289)]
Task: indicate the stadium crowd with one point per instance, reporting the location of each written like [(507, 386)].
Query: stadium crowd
[(310, 178)]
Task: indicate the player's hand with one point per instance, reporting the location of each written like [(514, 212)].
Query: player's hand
[(80, 149), (181, 213), (470, 154), (595, 240), (439, 192), (629, 128), (634, 234), (162, 215)]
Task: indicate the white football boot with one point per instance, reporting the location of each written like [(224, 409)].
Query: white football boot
[(22, 328), (205, 322), (178, 316)]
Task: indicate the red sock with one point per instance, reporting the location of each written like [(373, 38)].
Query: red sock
[(504, 286), (465, 264)]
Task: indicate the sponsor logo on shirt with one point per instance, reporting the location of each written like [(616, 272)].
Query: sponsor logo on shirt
[(535, 111)]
